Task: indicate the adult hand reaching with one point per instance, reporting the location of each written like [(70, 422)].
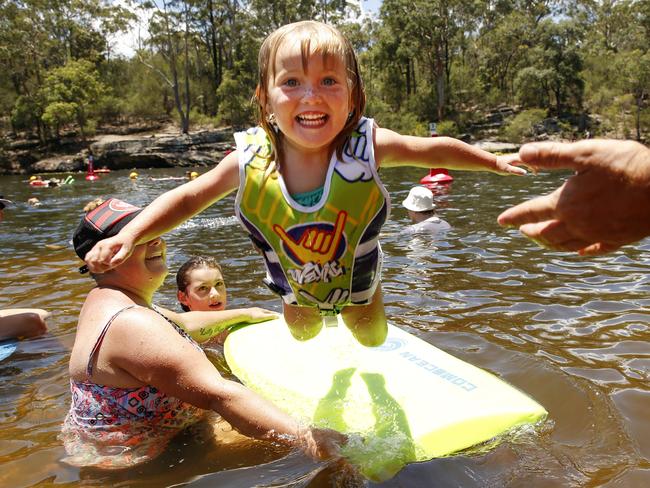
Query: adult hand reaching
[(603, 206)]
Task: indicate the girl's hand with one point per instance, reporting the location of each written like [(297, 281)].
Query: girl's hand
[(256, 314), (506, 165), (109, 253), (321, 444)]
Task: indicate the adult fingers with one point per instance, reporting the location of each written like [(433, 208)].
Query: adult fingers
[(538, 209), (553, 234), (555, 154), (597, 249), (105, 256), (548, 232)]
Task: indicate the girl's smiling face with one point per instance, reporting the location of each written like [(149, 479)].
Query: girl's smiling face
[(205, 290), (309, 96)]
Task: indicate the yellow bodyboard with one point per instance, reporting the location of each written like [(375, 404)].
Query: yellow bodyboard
[(407, 400)]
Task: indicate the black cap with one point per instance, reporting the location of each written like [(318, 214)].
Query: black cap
[(104, 221)]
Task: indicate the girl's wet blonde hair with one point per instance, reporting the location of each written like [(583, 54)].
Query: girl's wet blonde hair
[(314, 37)]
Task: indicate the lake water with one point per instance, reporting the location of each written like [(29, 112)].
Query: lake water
[(571, 332)]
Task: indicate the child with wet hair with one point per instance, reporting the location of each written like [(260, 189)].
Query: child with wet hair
[(309, 194), (201, 288)]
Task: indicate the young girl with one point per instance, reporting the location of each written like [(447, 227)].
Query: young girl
[(308, 191), (201, 288)]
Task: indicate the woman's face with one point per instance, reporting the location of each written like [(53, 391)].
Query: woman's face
[(205, 291), (148, 260)]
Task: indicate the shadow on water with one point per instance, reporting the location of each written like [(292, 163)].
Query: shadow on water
[(571, 332)]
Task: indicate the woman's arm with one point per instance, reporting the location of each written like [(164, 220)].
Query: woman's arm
[(393, 149), (165, 213), (203, 326), (143, 344)]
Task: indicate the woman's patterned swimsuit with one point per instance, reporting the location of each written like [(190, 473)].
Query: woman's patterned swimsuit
[(112, 427)]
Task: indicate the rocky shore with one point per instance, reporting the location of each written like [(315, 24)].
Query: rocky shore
[(113, 151), (116, 151)]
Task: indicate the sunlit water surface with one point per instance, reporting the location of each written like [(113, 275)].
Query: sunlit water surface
[(572, 333)]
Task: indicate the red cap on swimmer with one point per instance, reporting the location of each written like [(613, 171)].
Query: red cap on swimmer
[(104, 221)]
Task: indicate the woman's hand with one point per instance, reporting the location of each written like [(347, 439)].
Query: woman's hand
[(322, 444), (110, 253)]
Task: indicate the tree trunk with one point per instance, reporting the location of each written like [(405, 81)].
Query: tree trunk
[(440, 83), (639, 102), (214, 55), (186, 122), (408, 78)]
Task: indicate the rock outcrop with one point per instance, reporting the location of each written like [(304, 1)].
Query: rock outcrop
[(201, 148), (155, 151)]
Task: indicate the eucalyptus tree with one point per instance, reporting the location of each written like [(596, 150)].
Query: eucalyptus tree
[(417, 43), (616, 50), (170, 36), (72, 93), (554, 69), (37, 36)]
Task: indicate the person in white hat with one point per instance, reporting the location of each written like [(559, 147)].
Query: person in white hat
[(421, 209)]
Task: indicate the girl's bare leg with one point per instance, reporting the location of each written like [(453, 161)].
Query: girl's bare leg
[(304, 322), (367, 322)]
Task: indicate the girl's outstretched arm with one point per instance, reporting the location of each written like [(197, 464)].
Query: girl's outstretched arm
[(165, 213), (393, 149), (203, 326)]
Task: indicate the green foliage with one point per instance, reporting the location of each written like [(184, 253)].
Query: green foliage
[(523, 124), (235, 107), (531, 87), (400, 121), (27, 112), (72, 92), (59, 113), (447, 128), (199, 119), (422, 60)]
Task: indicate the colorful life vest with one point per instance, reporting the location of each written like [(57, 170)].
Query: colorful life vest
[(327, 255)]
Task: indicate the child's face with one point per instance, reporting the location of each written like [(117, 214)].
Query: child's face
[(205, 291), (311, 105)]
